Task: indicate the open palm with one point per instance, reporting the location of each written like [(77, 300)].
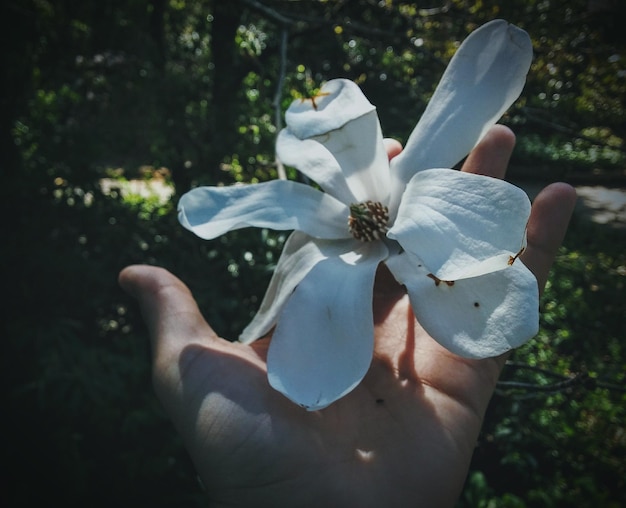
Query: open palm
[(403, 437)]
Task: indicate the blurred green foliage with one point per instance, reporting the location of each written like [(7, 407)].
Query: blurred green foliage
[(554, 434), (172, 93)]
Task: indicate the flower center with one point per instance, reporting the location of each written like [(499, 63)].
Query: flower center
[(368, 221)]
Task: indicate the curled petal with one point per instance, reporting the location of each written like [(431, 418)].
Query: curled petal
[(300, 254), (483, 79), (479, 317), (314, 160), (323, 342), (338, 102), (355, 142), (359, 149), (461, 225), (280, 204)]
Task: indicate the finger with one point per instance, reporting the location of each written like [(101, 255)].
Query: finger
[(491, 156), (387, 291), (549, 217), (168, 308), (392, 146)]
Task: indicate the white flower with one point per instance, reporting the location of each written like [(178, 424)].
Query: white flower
[(451, 238)]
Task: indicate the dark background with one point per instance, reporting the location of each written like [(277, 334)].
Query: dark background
[(156, 94)]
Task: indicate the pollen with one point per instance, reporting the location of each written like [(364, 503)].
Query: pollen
[(512, 259), (312, 98), (368, 221)]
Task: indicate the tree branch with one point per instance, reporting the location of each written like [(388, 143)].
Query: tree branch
[(289, 20), (530, 389), (278, 114), (551, 387), (530, 115), (269, 12)]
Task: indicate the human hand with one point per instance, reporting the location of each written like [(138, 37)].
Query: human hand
[(403, 437)]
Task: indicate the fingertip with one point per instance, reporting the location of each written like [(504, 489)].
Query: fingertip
[(491, 155), (561, 192), (503, 134), (168, 308), (550, 215), (552, 210), (393, 147), (136, 278), (127, 279)]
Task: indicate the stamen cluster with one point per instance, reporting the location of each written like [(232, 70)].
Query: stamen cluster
[(368, 221)]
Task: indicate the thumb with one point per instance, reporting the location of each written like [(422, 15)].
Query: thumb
[(171, 314)]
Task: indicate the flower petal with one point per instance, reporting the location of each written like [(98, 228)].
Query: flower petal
[(485, 76), (344, 121), (323, 343), (316, 162), (480, 317), (300, 254), (461, 225), (338, 102), (359, 149), (279, 204)]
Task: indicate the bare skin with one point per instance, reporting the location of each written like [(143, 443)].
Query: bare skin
[(403, 438)]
